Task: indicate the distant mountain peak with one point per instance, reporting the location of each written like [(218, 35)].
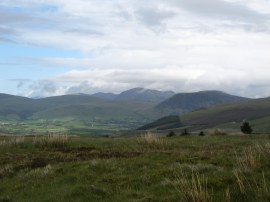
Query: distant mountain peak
[(137, 94), (105, 96), (186, 102), (144, 94)]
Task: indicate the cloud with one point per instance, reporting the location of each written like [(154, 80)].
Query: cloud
[(44, 88), (181, 45), (11, 17), (5, 34), (153, 16), (21, 83), (220, 8), (83, 87), (187, 79)]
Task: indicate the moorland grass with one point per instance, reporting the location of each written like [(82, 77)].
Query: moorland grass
[(192, 168)]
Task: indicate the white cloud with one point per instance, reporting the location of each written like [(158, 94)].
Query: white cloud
[(169, 45)]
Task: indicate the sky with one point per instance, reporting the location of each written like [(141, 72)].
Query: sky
[(56, 47)]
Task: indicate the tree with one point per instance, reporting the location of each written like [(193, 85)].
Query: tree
[(171, 134), (246, 128), (201, 133), (185, 132)]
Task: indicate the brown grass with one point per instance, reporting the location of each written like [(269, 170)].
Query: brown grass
[(12, 141), (249, 159), (194, 189), (152, 141), (51, 140), (217, 132), (255, 186)]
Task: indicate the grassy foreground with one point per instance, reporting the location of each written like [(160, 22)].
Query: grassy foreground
[(147, 168)]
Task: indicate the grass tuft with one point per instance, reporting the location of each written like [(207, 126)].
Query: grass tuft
[(194, 188), (152, 141), (217, 132), (250, 159), (51, 141), (13, 141)]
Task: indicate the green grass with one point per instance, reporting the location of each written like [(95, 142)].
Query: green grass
[(67, 126), (190, 168)]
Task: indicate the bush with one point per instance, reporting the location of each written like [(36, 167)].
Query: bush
[(217, 132), (246, 128), (201, 133), (171, 134), (185, 132)]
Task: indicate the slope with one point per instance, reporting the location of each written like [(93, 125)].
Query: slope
[(75, 114), (17, 107), (228, 116), (141, 94), (187, 102)]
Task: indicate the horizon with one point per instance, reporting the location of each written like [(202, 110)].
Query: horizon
[(52, 48), (118, 93)]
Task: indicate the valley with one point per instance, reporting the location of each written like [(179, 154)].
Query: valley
[(106, 114)]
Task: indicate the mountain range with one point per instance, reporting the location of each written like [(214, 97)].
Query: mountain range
[(186, 102), (131, 108), (139, 94)]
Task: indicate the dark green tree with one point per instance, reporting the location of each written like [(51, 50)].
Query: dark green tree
[(246, 128), (185, 132), (201, 133), (171, 134)]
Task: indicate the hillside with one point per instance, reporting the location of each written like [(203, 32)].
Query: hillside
[(228, 116), (105, 96), (17, 107), (78, 114), (163, 123), (100, 109), (187, 102), (137, 94)]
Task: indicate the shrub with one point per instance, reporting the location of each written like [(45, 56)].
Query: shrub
[(246, 128), (171, 134), (201, 133), (217, 132), (185, 132)]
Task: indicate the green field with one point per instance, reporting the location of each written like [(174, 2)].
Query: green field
[(147, 168), (95, 126)]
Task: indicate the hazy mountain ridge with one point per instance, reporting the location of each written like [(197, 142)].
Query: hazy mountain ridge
[(187, 102), (77, 111), (137, 105), (139, 94), (229, 116), (145, 95), (105, 96)]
